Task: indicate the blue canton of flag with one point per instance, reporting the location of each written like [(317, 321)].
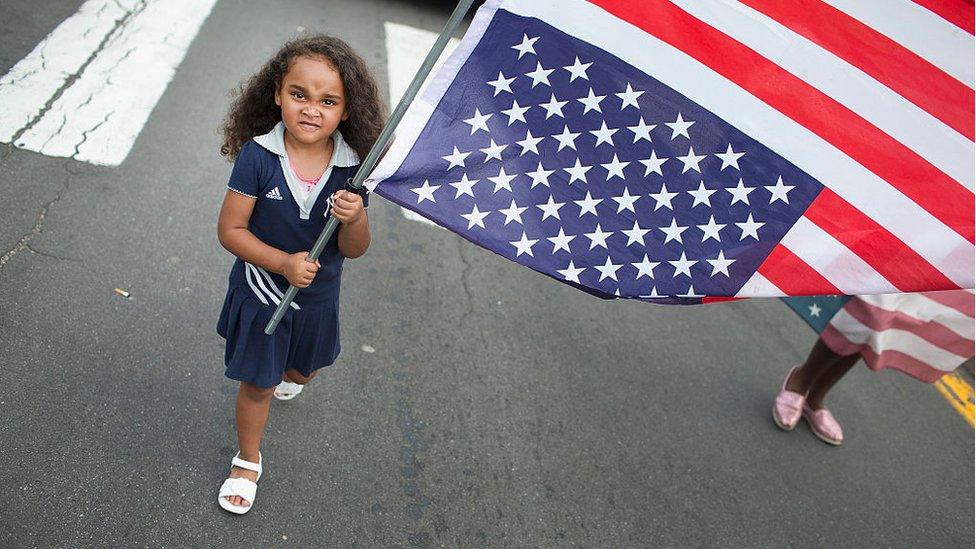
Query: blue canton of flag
[(557, 155)]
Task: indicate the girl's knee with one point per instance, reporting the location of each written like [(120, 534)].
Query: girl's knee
[(255, 392)]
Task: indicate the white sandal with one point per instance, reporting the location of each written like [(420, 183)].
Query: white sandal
[(287, 390), (240, 486)]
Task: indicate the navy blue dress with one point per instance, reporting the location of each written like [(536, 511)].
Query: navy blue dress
[(308, 336)]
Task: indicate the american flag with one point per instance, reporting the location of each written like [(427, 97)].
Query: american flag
[(924, 335), (693, 150)]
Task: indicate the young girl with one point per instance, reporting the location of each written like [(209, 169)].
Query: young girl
[(297, 129), (924, 335)]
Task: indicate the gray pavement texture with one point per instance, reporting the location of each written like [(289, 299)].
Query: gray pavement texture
[(498, 409)]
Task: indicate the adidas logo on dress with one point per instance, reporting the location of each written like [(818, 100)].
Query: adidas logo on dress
[(274, 194)]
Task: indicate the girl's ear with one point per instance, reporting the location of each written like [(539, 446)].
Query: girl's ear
[(277, 94)]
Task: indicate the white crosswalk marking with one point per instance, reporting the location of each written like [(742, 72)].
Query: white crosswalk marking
[(87, 89), (406, 48)]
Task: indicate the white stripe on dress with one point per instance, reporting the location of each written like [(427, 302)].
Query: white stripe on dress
[(248, 276)]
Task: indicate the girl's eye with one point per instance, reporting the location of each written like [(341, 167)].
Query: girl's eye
[(298, 95), (329, 102)]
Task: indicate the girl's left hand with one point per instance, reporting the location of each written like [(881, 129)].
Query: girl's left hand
[(347, 207)]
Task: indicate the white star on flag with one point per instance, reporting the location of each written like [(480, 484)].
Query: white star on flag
[(554, 107), (425, 192), (642, 130), (464, 186), (540, 176), (720, 264), (516, 113), (513, 213), (501, 84), (625, 201), (604, 134), (566, 139), (502, 180), (476, 217), (691, 160), (740, 193), (615, 168), (636, 235), (663, 198), (654, 164), (456, 158), (629, 97), (479, 121), (679, 127), (730, 158), (750, 228), (523, 245), (645, 267), (540, 75), (702, 195), (561, 241), (608, 269), (598, 237), (577, 172), (530, 143), (588, 204), (673, 231), (591, 102), (526, 46), (779, 191), (571, 273), (682, 265), (578, 70), (493, 151), (711, 229), (550, 208)]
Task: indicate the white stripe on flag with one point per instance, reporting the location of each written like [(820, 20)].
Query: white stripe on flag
[(759, 286), (834, 261), (923, 308), (933, 240), (925, 33), (895, 340), (99, 116), (945, 148)]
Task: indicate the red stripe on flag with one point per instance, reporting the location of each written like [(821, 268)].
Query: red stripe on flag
[(883, 251), (961, 301), (958, 12), (879, 320), (901, 167), (792, 275), (896, 360), (882, 58)]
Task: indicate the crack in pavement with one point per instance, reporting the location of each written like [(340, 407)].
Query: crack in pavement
[(23, 243), (465, 281), (109, 37)]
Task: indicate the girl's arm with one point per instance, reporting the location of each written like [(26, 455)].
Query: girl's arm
[(354, 236), (234, 235)]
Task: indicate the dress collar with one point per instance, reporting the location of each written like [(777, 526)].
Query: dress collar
[(274, 141)]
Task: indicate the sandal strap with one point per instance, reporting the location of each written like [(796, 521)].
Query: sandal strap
[(240, 487), (244, 464)]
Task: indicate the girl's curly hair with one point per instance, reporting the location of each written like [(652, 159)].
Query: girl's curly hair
[(254, 112)]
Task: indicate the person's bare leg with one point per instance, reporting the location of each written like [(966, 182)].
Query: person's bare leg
[(292, 375), (253, 403), (826, 380), (820, 360)]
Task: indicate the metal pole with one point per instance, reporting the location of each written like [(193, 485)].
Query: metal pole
[(374, 154)]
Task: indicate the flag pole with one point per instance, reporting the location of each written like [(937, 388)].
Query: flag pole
[(374, 153)]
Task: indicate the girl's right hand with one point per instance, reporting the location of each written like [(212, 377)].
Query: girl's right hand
[(300, 272)]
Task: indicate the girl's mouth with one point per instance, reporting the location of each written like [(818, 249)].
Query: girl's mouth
[(308, 126)]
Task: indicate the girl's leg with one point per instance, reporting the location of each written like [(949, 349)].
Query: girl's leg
[(292, 375), (825, 381), (253, 403), (820, 360)]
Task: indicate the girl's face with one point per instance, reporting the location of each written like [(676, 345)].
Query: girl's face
[(312, 100)]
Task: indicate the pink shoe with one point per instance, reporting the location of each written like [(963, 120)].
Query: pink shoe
[(788, 406), (823, 424)]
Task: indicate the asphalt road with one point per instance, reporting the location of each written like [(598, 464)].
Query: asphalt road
[(493, 407)]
